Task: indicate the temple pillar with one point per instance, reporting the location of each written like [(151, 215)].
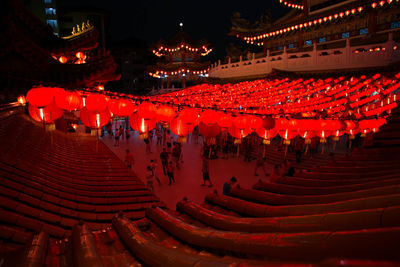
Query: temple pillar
[(184, 82), (372, 17), (168, 82)]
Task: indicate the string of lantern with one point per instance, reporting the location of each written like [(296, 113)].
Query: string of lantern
[(256, 39), (80, 58), (161, 74), (97, 107), (291, 5), (162, 51)]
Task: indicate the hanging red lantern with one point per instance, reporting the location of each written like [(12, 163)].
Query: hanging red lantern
[(95, 119), (281, 124), (80, 55), (306, 134), (237, 132), (209, 117), (165, 114), (42, 96), (47, 114), (225, 120), (68, 100), (209, 131), (240, 122), (254, 122), (189, 116), (287, 134), (180, 128), (268, 123), (121, 107), (146, 110), (266, 134), (140, 124), (63, 59), (96, 102)]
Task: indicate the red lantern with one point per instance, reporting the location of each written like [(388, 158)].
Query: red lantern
[(209, 131), (96, 102), (165, 114), (281, 124), (95, 119), (21, 99), (141, 124), (240, 122), (80, 55), (266, 134), (224, 120), (146, 110), (121, 107), (42, 96), (189, 116), (237, 132), (180, 128), (268, 123), (208, 117), (47, 114), (63, 59), (287, 134), (68, 100), (254, 122)]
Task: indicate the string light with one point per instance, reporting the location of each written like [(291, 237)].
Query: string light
[(162, 51), (291, 5)]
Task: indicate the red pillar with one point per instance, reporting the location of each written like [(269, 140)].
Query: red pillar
[(372, 21)]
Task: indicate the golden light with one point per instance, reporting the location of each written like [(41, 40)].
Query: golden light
[(63, 59), (22, 100)]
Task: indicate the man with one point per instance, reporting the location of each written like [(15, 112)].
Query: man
[(170, 172), (164, 160), (176, 154), (206, 172), (129, 161), (260, 161), (228, 186)]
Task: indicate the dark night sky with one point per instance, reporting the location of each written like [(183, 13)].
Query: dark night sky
[(152, 20)]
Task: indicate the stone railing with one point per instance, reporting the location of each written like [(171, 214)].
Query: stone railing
[(348, 57)]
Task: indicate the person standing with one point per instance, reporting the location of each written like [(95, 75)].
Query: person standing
[(206, 172), (116, 138), (149, 178), (176, 154), (147, 142), (260, 161), (170, 172), (129, 161), (159, 136), (154, 165), (164, 160)]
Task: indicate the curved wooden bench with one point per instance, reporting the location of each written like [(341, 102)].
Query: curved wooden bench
[(154, 254), (262, 210), (315, 246), (280, 199), (351, 220)]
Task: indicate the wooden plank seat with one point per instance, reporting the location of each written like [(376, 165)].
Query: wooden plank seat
[(350, 220), (262, 210), (315, 246), (286, 199), (286, 188)]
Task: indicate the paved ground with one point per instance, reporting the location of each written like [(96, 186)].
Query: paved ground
[(189, 177)]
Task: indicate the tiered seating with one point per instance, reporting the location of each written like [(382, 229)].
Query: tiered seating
[(52, 180)]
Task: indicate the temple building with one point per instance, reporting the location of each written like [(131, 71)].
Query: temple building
[(319, 35), (180, 63)]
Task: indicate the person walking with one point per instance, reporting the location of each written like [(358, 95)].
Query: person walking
[(170, 173), (116, 137), (129, 161), (149, 178), (176, 154), (154, 165), (206, 172), (164, 160)]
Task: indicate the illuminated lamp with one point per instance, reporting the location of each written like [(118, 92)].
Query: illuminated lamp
[(68, 100), (209, 117), (237, 132), (254, 122), (287, 135), (42, 96), (341, 14), (180, 128), (266, 134), (80, 55), (240, 122), (225, 120), (63, 59), (189, 116), (141, 124), (381, 3), (46, 114), (165, 114), (347, 12), (359, 9), (100, 87), (353, 11), (209, 131), (336, 16), (21, 99), (373, 5), (95, 119), (121, 107), (147, 110), (96, 102)]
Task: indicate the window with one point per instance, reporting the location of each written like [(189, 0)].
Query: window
[(52, 23), (280, 47), (395, 24), (308, 42), (345, 35), (291, 46), (363, 31), (322, 40), (50, 11), (48, 1)]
